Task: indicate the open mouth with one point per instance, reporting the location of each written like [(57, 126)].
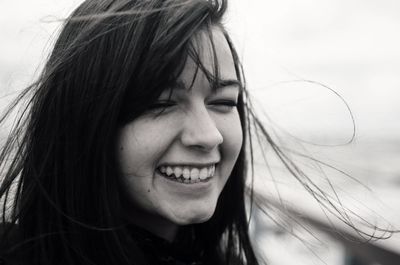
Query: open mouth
[(187, 174)]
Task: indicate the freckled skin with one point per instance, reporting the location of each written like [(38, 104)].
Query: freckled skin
[(194, 130)]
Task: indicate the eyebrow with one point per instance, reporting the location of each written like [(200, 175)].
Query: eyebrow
[(220, 84), (229, 83)]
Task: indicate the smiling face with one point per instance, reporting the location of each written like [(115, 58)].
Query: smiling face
[(176, 158)]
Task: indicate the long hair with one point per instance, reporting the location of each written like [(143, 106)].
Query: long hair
[(60, 184)]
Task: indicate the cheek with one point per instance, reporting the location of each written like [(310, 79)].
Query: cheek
[(140, 145), (129, 148), (231, 129)]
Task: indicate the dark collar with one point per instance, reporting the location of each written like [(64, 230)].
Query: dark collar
[(162, 252)]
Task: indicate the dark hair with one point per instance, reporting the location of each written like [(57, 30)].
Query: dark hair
[(110, 62)]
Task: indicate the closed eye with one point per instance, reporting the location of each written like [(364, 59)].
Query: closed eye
[(161, 106), (224, 105)]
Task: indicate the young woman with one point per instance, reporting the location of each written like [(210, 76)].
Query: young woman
[(131, 149), (134, 142)]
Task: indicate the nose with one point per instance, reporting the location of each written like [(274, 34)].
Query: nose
[(201, 131)]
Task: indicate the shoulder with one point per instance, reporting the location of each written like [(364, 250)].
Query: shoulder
[(9, 237)]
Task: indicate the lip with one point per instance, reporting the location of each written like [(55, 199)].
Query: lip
[(172, 179), (188, 164), (190, 189)]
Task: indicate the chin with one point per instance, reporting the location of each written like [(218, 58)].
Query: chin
[(193, 218)]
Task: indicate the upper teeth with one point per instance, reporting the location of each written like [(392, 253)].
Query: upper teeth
[(187, 172)]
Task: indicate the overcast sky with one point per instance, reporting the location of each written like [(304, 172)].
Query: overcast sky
[(351, 46)]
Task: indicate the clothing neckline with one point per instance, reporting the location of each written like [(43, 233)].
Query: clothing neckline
[(161, 251)]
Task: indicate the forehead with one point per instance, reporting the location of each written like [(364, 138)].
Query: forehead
[(211, 58)]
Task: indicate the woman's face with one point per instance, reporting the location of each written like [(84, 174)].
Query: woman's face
[(176, 163)]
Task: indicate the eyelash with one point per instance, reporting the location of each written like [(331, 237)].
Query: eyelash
[(230, 104), (163, 105), (159, 107)]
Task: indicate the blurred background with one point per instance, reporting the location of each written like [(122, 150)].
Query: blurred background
[(315, 68)]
